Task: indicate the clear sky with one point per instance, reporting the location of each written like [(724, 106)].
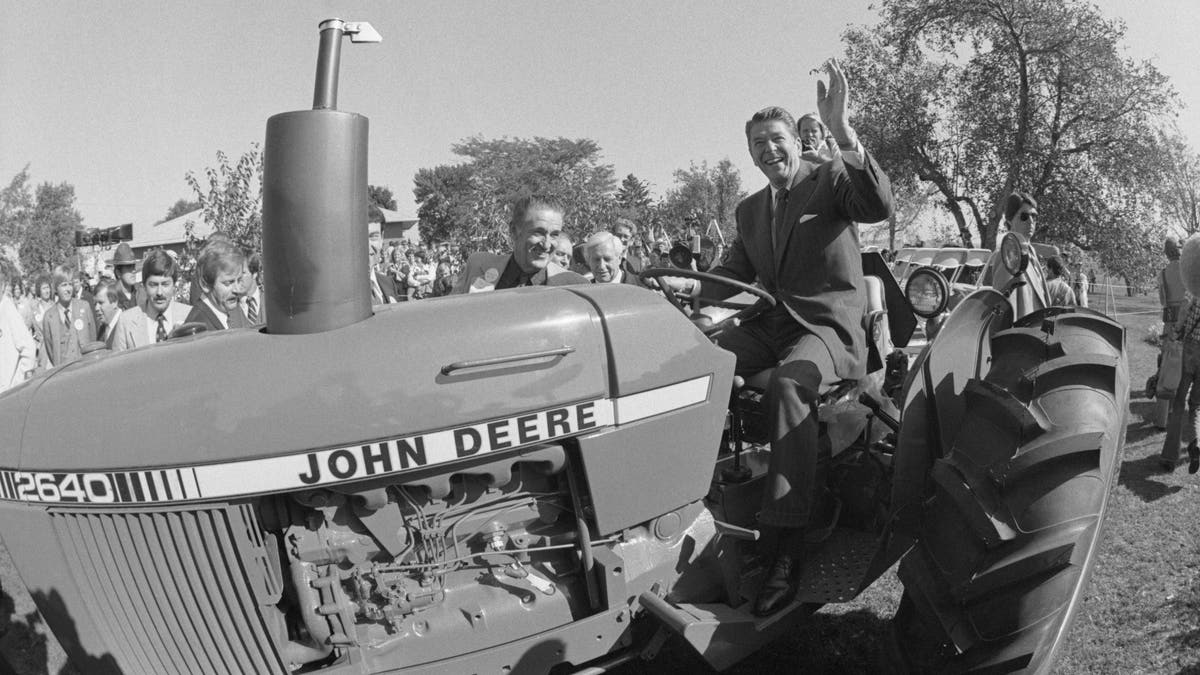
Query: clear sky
[(121, 99)]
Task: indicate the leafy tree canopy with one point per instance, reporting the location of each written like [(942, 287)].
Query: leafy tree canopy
[(49, 237), (468, 203), (231, 197), (179, 208), (980, 98)]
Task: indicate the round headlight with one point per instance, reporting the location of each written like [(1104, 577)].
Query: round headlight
[(927, 292), (1014, 253)]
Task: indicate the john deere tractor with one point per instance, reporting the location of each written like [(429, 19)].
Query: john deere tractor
[(540, 479)]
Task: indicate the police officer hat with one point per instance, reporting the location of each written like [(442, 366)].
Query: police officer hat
[(123, 256)]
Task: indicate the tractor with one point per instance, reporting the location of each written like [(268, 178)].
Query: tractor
[(542, 479)]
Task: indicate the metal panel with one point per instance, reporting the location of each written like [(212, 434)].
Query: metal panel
[(174, 591)]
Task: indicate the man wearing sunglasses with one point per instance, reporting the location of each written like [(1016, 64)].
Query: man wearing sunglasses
[(1020, 212)]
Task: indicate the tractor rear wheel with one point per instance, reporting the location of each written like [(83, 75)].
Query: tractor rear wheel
[(1009, 536)]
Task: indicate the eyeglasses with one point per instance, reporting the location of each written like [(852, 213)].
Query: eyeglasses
[(1027, 216)]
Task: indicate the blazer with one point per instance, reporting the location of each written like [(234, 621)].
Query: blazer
[(202, 313), (483, 270), (62, 343), (815, 271), (130, 331)]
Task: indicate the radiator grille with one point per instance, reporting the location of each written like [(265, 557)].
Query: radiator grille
[(176, 590)]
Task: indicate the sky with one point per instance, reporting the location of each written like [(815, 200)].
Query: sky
[(122, 99)]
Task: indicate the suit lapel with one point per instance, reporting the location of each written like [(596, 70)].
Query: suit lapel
[(799, 195)]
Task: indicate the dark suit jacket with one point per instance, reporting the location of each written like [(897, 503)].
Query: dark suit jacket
[(817, 270), (204, 314)]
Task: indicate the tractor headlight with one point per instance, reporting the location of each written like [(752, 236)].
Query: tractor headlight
[(927, 292), (1014, 253)]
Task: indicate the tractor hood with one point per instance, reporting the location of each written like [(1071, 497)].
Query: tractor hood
[(522, 366)]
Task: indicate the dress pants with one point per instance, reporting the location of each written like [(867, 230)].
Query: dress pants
[(1187, 400), (803, 371)]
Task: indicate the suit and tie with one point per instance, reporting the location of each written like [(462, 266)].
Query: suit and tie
[(801, 244), (63, 337), (203, 313), (133, 329), (493, 272)]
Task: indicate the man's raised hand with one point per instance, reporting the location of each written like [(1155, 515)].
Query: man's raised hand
[(832, 103)]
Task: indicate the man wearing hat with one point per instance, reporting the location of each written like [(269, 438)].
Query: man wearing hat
[(125, 267)]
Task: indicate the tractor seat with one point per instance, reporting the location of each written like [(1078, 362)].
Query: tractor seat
[(874, 325)]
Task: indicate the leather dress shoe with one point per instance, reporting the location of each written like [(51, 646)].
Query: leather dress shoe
[(1166, 465), (780, 586), (1193, 457)]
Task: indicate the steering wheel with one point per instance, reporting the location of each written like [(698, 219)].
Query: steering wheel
[(745, 309)]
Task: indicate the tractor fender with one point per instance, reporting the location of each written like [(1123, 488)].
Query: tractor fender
[(1008, 533), (932, 395)]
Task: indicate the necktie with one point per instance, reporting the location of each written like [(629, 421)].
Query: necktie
[(781, 198), (161, 333), (252, 310)]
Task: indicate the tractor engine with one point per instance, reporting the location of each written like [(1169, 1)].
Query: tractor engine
[(373, 567)]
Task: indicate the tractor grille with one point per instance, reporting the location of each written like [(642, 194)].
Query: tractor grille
[(175, 591)]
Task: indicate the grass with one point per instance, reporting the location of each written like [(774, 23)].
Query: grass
[(1140, 613)]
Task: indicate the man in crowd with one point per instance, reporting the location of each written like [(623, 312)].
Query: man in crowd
[(67, 326), (154, 321), (219, 269), (1171, 296), (125, 270), (605, 255), (535, 224), (252, 295), (797, 237), (107, 311), (1020, 213), (564, 248), (1057, 287), (626, 231)]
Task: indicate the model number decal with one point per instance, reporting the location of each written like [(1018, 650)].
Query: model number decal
[(124, 487)]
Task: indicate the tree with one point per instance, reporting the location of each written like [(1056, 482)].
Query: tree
[(468, 203), (232, 200), (633, 197), (179, 208), (1179, 188), (381, 196), (49, 239), (16, 208), (702, 194), (984, 97)]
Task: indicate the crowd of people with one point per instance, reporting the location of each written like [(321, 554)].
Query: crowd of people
[(57, 318)]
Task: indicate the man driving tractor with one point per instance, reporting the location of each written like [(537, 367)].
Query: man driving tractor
[(797, 237)]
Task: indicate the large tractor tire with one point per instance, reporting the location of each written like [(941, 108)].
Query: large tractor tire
[(1009, 536)]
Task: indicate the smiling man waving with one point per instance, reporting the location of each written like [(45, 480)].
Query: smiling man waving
[(797, 238)]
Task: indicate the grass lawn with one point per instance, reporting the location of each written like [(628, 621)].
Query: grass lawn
[(1140, 613)]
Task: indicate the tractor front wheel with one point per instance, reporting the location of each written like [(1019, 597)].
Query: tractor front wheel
[(1009, 534)]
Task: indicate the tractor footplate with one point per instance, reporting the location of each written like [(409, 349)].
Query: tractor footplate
[(834, 571)]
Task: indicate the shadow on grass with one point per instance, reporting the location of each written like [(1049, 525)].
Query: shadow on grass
[(1187, 641), (1142, 478), (1141, 424), (853, 642), (24, 647)]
